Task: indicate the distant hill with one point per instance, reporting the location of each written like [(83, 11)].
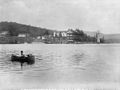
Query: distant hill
[(109, 38), (112, 38), (14, 29)]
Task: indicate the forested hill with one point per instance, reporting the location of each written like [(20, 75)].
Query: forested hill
[(14, 29)]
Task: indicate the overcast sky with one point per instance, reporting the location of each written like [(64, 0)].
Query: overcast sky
[(89, 15)]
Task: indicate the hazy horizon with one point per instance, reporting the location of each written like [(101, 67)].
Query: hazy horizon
[(88, 15)]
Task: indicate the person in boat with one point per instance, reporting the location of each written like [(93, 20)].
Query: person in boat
[(22, 55)]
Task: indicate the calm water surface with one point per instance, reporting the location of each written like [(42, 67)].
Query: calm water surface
[(60, 64)]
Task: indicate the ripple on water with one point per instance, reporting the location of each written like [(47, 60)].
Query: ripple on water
[(63, 62)]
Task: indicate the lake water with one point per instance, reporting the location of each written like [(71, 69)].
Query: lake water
[(61, 65)]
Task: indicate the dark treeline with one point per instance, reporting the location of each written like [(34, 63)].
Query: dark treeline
[(80, 36), (14, 29)]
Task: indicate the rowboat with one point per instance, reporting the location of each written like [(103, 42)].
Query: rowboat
[(29, 59)]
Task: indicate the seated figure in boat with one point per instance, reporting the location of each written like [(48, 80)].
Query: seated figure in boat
[(22, 55), (29, 59)]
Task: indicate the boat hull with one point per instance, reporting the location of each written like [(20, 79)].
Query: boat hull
[(29, 59)]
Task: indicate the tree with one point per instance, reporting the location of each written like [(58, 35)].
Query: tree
[(46, 33), (12, 30)]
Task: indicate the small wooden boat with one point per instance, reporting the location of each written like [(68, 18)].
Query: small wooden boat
[(29, 59)]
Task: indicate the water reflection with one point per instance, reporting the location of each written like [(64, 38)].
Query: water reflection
[(62, 63)]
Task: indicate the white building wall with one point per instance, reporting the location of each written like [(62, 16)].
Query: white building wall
[(21, 35)]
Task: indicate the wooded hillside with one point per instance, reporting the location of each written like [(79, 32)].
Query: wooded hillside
[(14, 29)]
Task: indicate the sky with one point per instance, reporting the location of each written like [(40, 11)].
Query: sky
[(88, 15)]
